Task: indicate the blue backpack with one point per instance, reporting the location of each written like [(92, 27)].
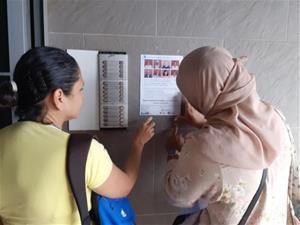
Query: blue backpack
[(105, 211)]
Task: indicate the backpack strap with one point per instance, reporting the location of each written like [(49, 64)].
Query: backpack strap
[(77, 152)]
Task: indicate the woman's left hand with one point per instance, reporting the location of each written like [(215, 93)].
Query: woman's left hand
[(175, 140), (144, 133), (191, 116)]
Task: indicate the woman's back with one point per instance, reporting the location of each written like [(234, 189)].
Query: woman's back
[(239, 187), (237, 136), (47, 88), (34, 188), (229, 190)]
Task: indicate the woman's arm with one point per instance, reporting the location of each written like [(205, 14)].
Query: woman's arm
[(191, 175), (119, 183)]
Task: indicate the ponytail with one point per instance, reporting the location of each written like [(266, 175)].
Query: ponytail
[(8, 94)]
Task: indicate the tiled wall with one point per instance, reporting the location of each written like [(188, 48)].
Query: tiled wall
[(267, 31)]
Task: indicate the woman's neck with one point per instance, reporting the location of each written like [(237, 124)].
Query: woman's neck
[(53, 119)]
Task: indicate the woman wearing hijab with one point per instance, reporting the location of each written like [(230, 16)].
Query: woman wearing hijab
[(219, 165)]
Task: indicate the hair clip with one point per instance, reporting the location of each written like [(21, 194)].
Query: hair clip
[(14, 86)]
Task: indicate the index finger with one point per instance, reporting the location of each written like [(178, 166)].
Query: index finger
[(175, 129), (148, 120)]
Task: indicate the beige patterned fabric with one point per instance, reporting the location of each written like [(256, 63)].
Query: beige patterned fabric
[(294, 182), (221, 163), (229, 190)]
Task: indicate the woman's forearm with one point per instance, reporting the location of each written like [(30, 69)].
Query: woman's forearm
[(120, 182), (133, 163)]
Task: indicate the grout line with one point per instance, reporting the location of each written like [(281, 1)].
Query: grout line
[(156, 19), (45, 19), (158, 214), (287, 24), (152, 36), (154, 159), (173, 37), (52, 32), (229, 0), (83, 40)]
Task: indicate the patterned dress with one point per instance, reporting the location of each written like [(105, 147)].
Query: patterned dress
[(227, 191)]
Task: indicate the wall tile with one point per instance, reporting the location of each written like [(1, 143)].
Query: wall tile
[(118, 144), (294, 21), (135, 46), (141, 196), (222, 19), (102, 16), (156, 219), (182, 26), (229, 1), (161, 219), (296, 136), (277, 70), (160, 198), (65, 41), (297, 208)]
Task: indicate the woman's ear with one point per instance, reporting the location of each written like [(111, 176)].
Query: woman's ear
[(58, 99)]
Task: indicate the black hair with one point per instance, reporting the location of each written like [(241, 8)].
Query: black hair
[(8, 97), (38, 73)]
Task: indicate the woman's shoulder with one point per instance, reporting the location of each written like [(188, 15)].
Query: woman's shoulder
[(10, 129), (96, 145), (34, 131), (289, 137), (97, 151)]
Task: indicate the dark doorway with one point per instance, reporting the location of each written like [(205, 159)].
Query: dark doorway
[(4, 51), (5, 113)]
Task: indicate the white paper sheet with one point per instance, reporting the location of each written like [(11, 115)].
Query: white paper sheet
[(159, 94), (89, 114)]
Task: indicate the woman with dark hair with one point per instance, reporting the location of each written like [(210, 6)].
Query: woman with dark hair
[(218, 167), (47, 91)]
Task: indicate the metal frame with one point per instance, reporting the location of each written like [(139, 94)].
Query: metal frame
[(25, 20)]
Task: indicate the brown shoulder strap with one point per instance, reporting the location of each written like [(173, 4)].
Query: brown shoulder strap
[(77, 152)]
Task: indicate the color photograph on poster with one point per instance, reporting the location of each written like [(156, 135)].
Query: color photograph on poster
[(159, 95)]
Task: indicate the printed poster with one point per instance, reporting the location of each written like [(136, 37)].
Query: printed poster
[(159, 95)]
